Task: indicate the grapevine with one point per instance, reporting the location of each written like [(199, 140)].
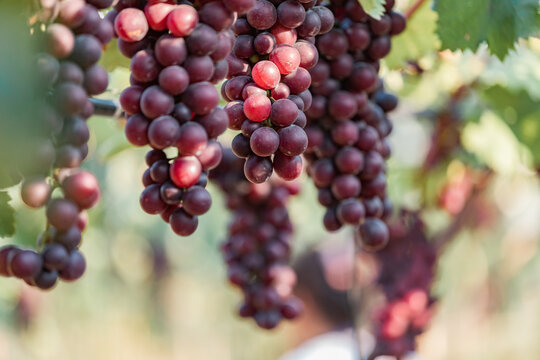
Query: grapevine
[(232, 100)]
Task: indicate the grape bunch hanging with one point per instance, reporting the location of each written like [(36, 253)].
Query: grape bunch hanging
[(259, 242), (178, 53), (348, 124), (406, 270), (69, 36), (268, 85)]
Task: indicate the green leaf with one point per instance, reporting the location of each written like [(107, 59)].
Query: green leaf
[(7, 216), (418, 39), (468, 23), (374, 8), (113, 58), (7, 179), (494, 143), (518, 72), (520, 112)]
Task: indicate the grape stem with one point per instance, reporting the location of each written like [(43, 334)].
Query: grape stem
[(414, 7), (109, 108)]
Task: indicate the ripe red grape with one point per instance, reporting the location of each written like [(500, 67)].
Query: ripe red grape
[(185, 171), (182, 20), (266, 74), (257, 108), (131, 25)]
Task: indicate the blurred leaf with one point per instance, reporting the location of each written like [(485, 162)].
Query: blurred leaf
[(374, 8), (113, 146), (417, 40), (493, 142), (468, 23), (7, 179), (521, 113), (518, 72), (113, 58), (7, 216)]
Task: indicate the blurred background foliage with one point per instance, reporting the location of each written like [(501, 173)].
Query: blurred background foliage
[(149, 294)]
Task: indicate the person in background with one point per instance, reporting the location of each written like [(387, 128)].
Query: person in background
[(325, 331)]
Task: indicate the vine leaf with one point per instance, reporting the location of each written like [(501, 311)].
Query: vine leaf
[(523, 120), (468, 23), (374, 8), (7, 179), (7, 216), (418, 39)]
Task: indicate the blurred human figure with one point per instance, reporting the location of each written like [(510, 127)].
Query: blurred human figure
[(325, 330)]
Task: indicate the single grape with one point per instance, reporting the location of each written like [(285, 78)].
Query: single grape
[(287, 167), (201, 98), (211, 156), (258, 169), (217, 15), (257, 107), (130, 99), (182, 223), (136, 130), (61, 213), (159, 171), (185, 171), (292, 140), (373, 234), (75, 267), (350, 211), (82, 188), (266, 74), (263, 15), (151, 201), (291, 14), (144, 66), (131, 25), (170, 50), (286, 57), (55, 257), (60, 40), (192, 139), (196, 201), (202, 41), (156, 102), (241, 146), (171, 194), (174, 79), (264, 141), (25, 264), (264, 43), (182, 20), (35, 192)]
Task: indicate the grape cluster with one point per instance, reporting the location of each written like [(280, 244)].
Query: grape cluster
[(259, 243), (268, 84), (405, 275), (348, 124), (60, 257), (70, 38), (178, 52)]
